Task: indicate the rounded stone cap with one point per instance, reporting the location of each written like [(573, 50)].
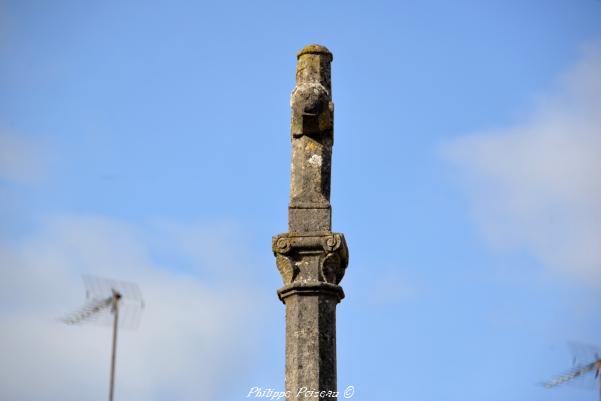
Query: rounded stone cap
[(314, 49)]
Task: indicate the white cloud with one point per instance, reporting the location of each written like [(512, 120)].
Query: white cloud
[(195, 338), (536, 185)]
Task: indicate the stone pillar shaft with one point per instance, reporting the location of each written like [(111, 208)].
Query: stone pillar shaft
[(310, 257)]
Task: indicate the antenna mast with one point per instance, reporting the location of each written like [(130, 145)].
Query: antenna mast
[(106, 300), (115, 309)]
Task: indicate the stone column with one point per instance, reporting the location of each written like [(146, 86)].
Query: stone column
[(310, 257)]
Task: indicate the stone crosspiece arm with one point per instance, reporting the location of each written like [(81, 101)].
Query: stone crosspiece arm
[(312, 138)]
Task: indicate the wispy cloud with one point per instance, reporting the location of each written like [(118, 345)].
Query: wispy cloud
[(189, 344), (536, 185)]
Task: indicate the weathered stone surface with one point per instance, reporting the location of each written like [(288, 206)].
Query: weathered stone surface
[(312, 137), (310, 257), (310, 344)]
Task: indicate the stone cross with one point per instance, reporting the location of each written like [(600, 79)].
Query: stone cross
[(310, 257)]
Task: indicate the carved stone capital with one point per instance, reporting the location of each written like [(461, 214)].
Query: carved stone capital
[(310, 258), (311, 289)]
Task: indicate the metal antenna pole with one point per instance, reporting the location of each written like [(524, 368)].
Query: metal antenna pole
[(115, 310), (598, 374), (105, 298)]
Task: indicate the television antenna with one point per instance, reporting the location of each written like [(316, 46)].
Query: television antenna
[(109, 302), (587, 359)]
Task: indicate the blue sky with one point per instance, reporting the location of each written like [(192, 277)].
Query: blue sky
[(149, 141)]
